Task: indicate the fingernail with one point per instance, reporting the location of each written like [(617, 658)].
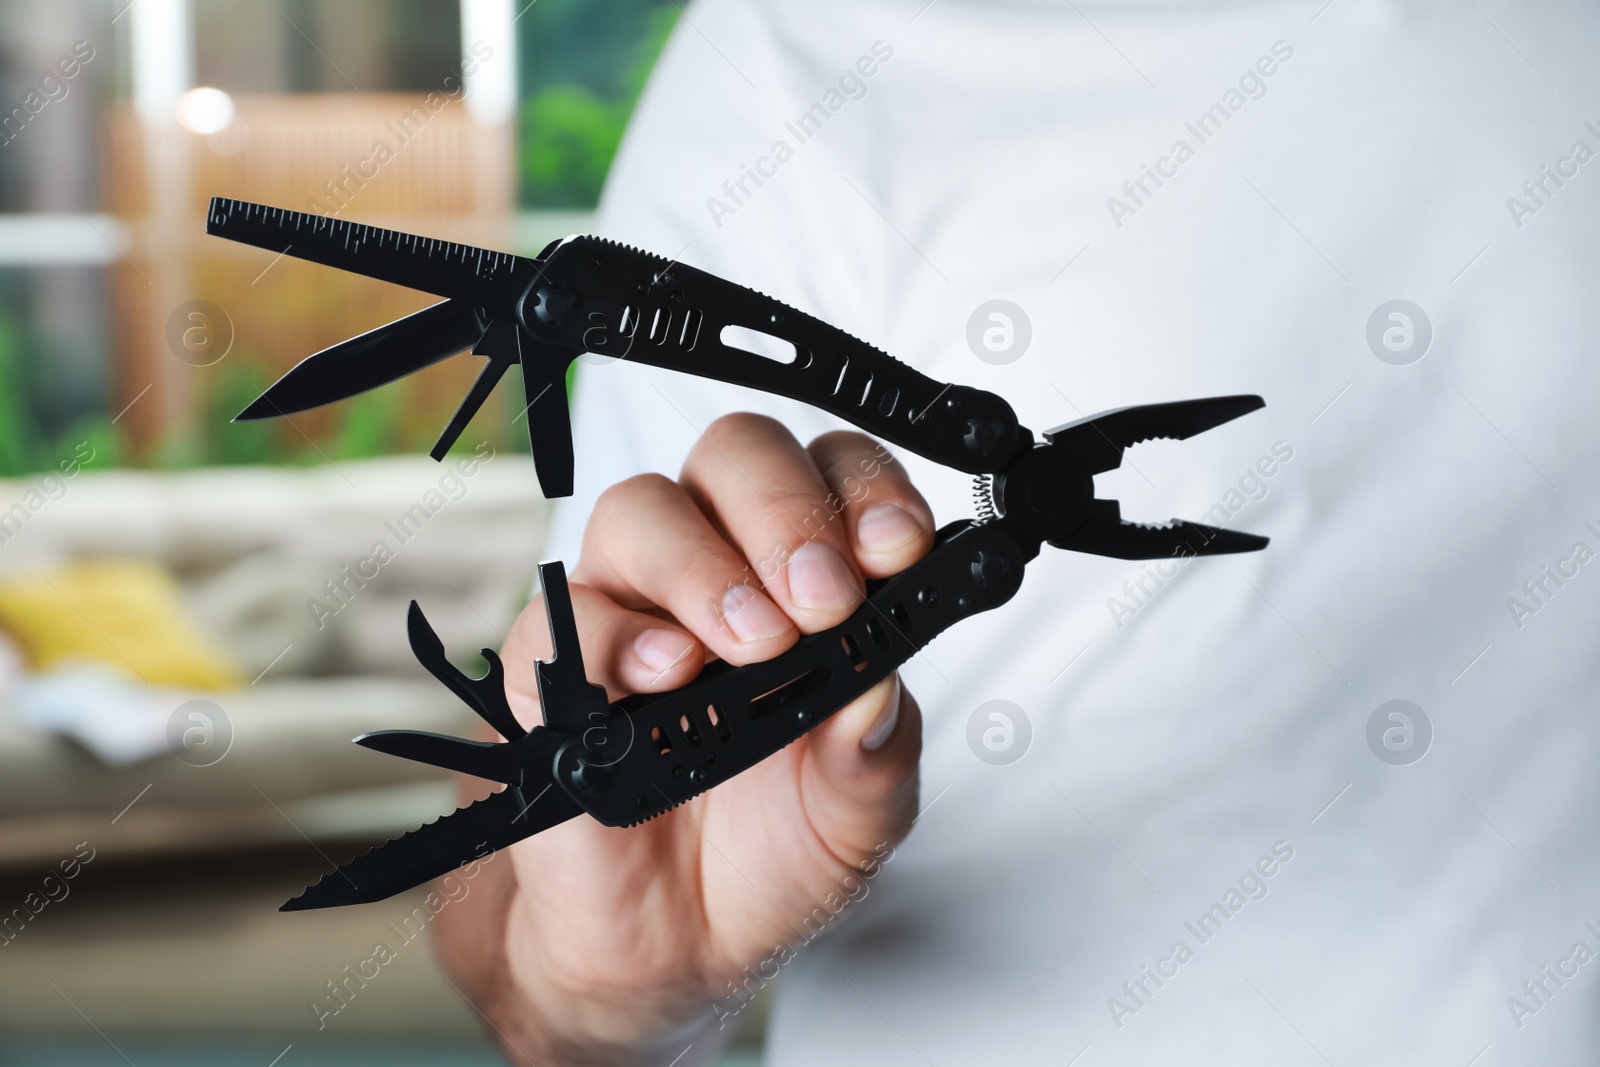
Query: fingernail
[(818, 578), (874, 738), (883, 527), (751, 616), (660, 649)]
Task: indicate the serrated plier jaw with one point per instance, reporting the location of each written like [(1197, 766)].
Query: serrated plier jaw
[(1046, 495)]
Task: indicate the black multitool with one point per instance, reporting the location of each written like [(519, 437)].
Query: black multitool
[(628, 761)]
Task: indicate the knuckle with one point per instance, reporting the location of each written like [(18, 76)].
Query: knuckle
[(709, 577), (869, 462), (840, 445), (692, 587), (796, 517), (743, 425), (740, 431), (630, 494)]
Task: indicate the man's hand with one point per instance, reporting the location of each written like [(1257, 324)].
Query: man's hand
[(592, 940)]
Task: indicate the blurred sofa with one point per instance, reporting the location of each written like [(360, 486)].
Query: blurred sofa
[(282, 568)]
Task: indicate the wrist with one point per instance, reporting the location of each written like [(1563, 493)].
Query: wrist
[(563, 1020)]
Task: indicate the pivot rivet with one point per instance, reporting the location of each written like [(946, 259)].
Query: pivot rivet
[(984, 433), (554, 304), (990, 568)]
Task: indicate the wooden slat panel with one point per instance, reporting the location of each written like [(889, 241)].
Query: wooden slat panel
[(406, 161)]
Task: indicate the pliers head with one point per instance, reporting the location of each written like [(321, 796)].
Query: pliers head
[(1047, 494)]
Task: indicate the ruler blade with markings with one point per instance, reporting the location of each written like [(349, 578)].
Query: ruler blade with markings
[(479, 276)]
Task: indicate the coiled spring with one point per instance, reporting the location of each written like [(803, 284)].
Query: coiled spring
[(983, 498)]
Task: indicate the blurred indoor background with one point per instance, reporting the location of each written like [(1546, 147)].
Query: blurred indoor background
[(194, 616)]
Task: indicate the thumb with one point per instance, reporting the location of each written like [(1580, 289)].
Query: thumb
[(859, 781)]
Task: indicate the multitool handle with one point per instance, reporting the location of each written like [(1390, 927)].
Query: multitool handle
[(585, 294), (618, 301), (661, 749)]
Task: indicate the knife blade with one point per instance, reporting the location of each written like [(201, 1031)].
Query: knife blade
[(468, 834), (375, 358)]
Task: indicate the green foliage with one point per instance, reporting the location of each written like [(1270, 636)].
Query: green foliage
[(25, 446), (104, 446), (583, 66), (372, 426), (568, 140), (583, 69), (15, 419), (240, 378), (375, 423)]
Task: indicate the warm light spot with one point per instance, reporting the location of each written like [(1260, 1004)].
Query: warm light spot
[(205, 110)]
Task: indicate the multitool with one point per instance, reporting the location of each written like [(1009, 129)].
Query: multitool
[(627, 761)]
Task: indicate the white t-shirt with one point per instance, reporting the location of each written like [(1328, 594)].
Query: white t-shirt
[(1203, 768)]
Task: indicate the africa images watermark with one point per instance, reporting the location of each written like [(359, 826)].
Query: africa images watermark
[(1538, 991), (53, 889), (405, 528), (852, 85), (47, 490), (352, 179), (1538, 191), (854, 488), (1154, 576), (450, 889), (853, 889), (1252, 85), (1541, 589), (53, 87), (1252, 886)]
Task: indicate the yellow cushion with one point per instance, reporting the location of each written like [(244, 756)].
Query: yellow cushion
[(124, 613)]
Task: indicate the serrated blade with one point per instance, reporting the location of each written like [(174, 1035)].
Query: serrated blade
[(468, 834), (480, 276), (375, 358)]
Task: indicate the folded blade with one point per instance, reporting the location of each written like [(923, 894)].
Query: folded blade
[(500, 344), (571, 703), (494, 760), (469, 834), (375, 358), (544, 384), (480, 276)]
